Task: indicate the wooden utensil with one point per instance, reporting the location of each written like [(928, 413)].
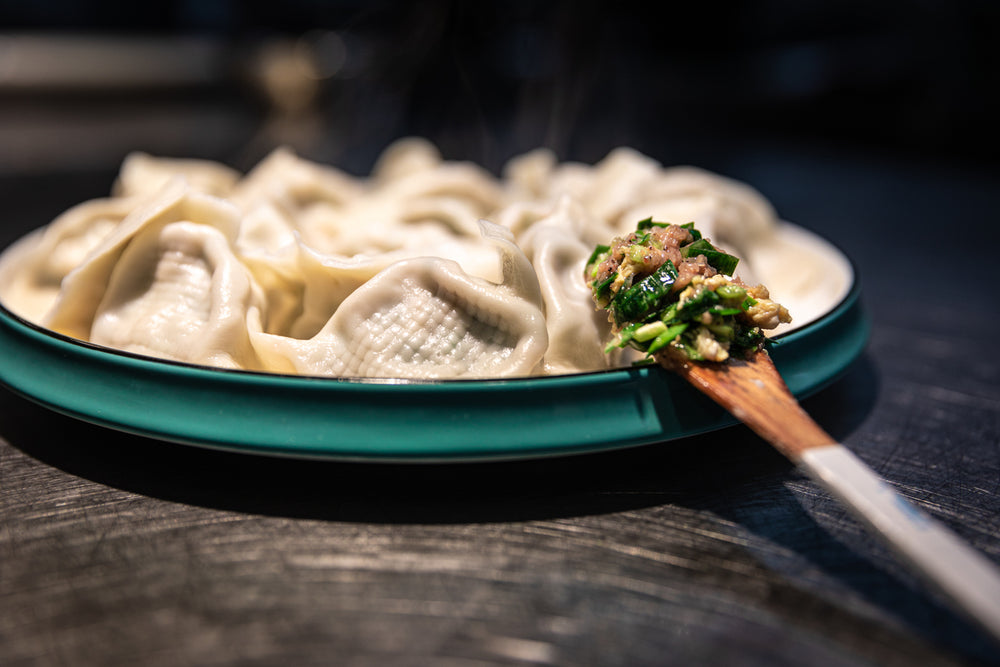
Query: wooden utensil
[(753, 391)]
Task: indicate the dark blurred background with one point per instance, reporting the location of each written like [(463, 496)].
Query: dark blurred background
[(82, 83), (870, 105)]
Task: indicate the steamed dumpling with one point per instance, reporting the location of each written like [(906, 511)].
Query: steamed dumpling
[(412, 205), (577, 331), (325, 281), (294, 184), (66, 242), (607, 189), (144, 174), (303, 287), (178, 292), (425, 317), (48, 255), (298, 267), (426, 189), (731, 213), (414, 202), (83, 288)]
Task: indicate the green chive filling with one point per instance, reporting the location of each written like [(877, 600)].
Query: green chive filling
[(646, 306)]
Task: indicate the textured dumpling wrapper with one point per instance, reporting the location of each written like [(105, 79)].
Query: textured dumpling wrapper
[(83, 288), (324, 282), (303, 287), (178, 292), (47, 257), (427, 318)]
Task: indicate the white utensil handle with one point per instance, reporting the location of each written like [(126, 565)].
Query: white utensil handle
[(965, 576)]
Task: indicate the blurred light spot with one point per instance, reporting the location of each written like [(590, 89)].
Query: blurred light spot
[(325, 51)]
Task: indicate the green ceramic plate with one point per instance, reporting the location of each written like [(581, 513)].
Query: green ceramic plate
[(388, 420)]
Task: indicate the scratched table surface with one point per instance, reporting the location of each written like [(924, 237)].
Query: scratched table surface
[(121, 550)]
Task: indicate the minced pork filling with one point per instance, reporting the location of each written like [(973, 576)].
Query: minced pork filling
[(668, 290)]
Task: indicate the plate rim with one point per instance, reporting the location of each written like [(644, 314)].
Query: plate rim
[(645, 410)]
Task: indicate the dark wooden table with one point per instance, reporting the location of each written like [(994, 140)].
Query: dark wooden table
[(120, 550)]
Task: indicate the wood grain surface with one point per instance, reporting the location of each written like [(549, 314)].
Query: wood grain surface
[(714, 550)]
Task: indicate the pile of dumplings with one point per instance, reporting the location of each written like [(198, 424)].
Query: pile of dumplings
[(426, 268)]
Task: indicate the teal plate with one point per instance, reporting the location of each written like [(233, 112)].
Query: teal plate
[(386, 420)]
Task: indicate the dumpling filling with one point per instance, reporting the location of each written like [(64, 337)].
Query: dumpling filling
[(668, 290)]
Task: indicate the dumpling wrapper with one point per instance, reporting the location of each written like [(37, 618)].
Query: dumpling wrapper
[(293, 184), (83, 288), (144, 174), (607, 189), (427, 318), (178, 292), (412, 169), (414, 199), (303, 286), (731, 213), (577, 330), (325, 282), (35, 267)]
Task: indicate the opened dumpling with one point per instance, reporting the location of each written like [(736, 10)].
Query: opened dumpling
[(427, 318)]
